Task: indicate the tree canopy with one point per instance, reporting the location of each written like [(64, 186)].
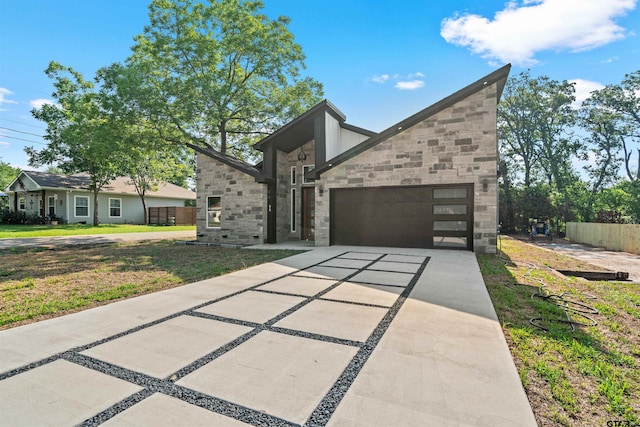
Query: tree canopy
[(543, 138), (217, 74)]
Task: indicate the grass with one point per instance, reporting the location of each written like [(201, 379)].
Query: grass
[(590, 376), (15, 231), (36, 284)]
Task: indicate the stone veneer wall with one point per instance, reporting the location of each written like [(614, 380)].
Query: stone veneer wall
[(243, 218), (457, 145), (284, 163)]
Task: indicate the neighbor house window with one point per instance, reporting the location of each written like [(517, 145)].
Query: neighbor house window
[(293, 175), (306, 169), (51, 205), (214, 209), (22, 203), (293, 209), (81, 206), (115, 208)]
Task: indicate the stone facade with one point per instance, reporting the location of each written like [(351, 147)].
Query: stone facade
[(458, 145), (243, 204)]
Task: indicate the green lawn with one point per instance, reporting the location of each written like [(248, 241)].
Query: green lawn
[(14, 231), (589, 376)]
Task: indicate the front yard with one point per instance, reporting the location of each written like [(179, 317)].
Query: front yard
[(36, 284), (587, 377)]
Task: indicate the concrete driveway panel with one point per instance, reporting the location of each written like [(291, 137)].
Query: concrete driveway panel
[(365, 294), (58, 393), (252, 306), (282, 375), (163, 349), (159, 410), (335, 319), (296, 285)]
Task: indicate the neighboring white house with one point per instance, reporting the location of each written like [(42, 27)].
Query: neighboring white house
[(68, 198)]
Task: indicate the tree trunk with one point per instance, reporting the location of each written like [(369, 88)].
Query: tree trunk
[(96, 222), (223, 137), (144, 207)]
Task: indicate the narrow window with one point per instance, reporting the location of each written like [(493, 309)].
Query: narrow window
[(22, 203), (52, 205), (82, 206), (214, 209), (293, 210), (293, 175), (115, 208), (306, 169)]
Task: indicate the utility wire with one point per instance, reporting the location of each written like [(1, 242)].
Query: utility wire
[(19, 131), (21, 123), (22, 139)]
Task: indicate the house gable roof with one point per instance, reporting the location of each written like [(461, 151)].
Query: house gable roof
[(499, 76), (81, 182), (231, 161)]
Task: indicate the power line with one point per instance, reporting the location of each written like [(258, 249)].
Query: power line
[(19, 131), (22, 123), (21, 139)]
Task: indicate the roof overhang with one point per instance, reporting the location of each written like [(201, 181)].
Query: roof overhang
[(300, 130)]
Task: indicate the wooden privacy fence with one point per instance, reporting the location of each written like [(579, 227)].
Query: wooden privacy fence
[(617, 237), (172, 215)]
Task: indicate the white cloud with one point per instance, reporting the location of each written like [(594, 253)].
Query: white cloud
[(583, 90), (409, 82), (3, 144), (409, 85), (38, 103), (380, 79), (523, 29), (4, 93)]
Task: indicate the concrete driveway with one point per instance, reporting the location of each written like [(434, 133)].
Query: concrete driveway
[(601, 257), (339, 336)]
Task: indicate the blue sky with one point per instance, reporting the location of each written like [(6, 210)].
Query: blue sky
[(380, 61)]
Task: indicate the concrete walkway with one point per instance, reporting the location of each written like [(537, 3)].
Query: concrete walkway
[(338, 336), (601, 257), (94, 239)]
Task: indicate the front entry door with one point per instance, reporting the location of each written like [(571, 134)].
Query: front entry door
[(308, 213)]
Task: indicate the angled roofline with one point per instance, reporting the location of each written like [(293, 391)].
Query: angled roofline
[(322, 105), (22, 172), (358, 129), (499, 76), (231, 161)]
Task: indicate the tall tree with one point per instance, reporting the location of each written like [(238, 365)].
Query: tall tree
[(555, 118), (534, 119), (80, 135), (217, 74), (518, 126), (625, 100), (605, 136)]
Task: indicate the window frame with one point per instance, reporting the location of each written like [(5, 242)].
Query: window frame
[(293, 175), (119, 207), (293, 210), (22, 203), (210, 210), (306, 169), (75, 207)]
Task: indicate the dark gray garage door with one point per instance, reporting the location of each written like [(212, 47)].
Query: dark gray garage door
[(411, 217)]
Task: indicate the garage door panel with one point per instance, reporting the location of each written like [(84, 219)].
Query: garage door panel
[(402, 216)]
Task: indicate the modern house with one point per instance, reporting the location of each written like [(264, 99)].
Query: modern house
[(429, 181), (68, 198)]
